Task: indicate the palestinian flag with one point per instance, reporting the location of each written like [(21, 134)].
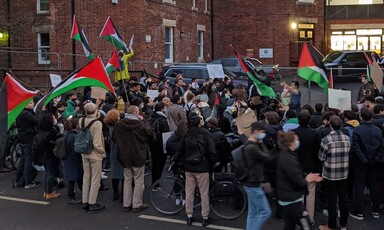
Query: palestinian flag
[(374, 72), (113, 62), (262, 88), (311, 67), (109, 33), (93, 74), (79, 35)]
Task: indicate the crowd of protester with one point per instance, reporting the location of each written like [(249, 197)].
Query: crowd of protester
[(300, 151)]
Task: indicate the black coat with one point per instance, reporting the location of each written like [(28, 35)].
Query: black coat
[(218, 139), (162, 127), (26, 126), (378, 120), (367, 140), (187, 150), (316, 120), (255, 155), (291, 184), (309, 149)]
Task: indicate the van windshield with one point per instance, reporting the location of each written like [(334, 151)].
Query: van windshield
[(332, 56)]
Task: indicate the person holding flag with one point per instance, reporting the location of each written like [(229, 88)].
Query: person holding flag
[(122, 71), (295, 101)]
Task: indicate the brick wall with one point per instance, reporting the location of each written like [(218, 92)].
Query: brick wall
[(139, 17), (262, 24)]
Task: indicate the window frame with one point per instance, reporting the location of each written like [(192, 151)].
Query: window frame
[(194, 7), (42, 61), (200, 44), (39, 11), (206, 7), (169, 43)]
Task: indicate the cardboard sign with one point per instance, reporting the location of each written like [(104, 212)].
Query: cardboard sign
[(55, 79), (98, 93), (152, 93), (215, 71), (166, 136), (339, 99), (245, 121)]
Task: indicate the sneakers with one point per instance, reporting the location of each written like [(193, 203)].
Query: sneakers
[(94, 208), (189, 220), (142, 208), (180, 202), (206, 222), (103, 176), (356, 216), (33, 184), (156, 188), (127, 209), (376, 215)]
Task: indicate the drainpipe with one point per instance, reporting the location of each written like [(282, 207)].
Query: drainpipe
[(9, 64), (73, 42), (212, 36)]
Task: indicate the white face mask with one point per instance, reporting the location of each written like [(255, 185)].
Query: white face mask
[(297, 144), (54, 122), (261, 136)]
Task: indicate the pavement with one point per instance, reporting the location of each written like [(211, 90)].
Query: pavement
[(26, 209)]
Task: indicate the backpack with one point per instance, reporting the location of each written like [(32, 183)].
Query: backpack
[(38, 142), (83, 140), (156, 128), (60, 148), (240, 165), (197, 156)]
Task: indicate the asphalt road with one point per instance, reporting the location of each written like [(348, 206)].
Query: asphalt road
[(57, 215)]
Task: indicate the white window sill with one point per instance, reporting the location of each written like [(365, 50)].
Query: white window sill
[(195, 9), (172, 2), (206, 12)]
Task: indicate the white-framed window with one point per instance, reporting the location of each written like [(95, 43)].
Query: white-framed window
[(168, 44), (200, 44), (206, 7), (43, 45), (42, 6), (194, 7)]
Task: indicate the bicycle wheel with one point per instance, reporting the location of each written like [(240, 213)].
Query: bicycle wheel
[(15, 155), (229, 207), (169, 196)]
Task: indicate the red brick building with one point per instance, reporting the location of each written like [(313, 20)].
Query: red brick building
[(166, 31), (266, 25)]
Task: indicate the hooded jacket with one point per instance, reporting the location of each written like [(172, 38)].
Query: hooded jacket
[(132, 137)]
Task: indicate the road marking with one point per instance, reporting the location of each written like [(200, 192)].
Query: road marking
[(23, 200), (175, 221)]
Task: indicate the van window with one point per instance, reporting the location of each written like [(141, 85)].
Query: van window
[(173, 72), (229, 62), (191, 73)]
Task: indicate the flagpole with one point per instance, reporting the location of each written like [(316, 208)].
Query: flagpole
[(309, 92)]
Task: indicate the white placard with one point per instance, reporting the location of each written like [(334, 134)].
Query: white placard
[(166, 136), (131, 42), (55, 79), (152, 93), (266, 53), (215, 71), (147, 38), (339, 99), (98, 93)]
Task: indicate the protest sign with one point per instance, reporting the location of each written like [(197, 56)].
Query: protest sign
[(98, 93), (339, 99), (55, 79), (215, 71), (152, 94), (245, 121)]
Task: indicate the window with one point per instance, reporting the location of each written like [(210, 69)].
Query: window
[(42, 6), (206, 7), (194, 5), (200, 44), (43, 48), (169, 44), (170, 2)]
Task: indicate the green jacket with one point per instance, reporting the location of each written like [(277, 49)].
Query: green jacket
[(70, 110)]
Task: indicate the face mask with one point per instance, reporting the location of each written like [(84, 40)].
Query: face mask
[(141, 106), (201, 121), (297, 144), (227, 97), (214, 88), (261, 136), (54, 122)]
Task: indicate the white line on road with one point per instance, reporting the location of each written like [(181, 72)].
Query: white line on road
[(23, 200), (170, 220)]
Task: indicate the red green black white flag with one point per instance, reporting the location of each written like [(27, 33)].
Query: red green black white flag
[(109, 33), (311, 67), (79, 35)]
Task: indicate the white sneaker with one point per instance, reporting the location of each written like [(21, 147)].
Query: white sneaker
[(104, 177)]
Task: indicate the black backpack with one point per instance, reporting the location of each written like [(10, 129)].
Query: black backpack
[(84, 140), (240, 163), (60, 147)]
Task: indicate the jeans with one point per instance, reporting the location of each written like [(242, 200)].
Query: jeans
[(295, 214), (25, 164), (258, 208), (334, 190), (370, 176), (51, 164)]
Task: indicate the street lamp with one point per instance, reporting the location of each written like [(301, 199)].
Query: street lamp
[(293, 25)]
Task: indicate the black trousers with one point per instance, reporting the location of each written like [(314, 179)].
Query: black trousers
[(158, 162), (295, 214), (71, 187), (370, 176), (334, 190)]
